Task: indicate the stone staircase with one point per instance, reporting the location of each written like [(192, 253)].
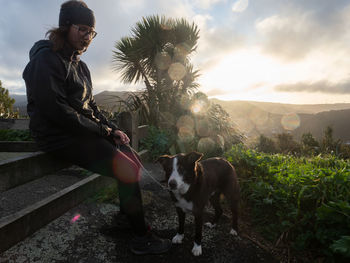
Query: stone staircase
[(35, 189)]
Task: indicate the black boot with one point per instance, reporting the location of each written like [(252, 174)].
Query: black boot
[(119, 224)]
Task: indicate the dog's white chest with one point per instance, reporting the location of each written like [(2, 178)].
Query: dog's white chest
[(185, 205)]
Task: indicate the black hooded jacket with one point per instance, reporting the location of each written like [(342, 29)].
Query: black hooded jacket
[(60, 102)]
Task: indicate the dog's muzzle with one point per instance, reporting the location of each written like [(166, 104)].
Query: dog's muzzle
[(172, 184)]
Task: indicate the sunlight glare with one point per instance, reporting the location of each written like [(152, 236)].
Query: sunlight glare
[(198, 106), (251, 74)]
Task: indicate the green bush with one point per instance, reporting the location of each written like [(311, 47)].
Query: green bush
[(303, 201), (15, 135), (157, 142)]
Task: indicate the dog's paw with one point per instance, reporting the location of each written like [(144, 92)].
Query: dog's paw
[(178, 238), (196, 250), (210, 225), (233, 232)]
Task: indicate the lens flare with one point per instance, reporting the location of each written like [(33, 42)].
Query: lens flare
[(185, 125), (205, 145), (185, 121), (177, 71), (162, 60), (186, 134), (202, 128), (75, 218), (199, 106), (196, 108), (185, 102), (182, 50), (220, 141), (290, 121)]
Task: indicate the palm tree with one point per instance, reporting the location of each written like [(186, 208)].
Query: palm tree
[(157, 53)]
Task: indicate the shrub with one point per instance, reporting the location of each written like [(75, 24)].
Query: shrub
[(157, 142), (301, 201), (15, 135)]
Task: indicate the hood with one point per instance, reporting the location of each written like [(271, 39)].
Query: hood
[(39, 45)]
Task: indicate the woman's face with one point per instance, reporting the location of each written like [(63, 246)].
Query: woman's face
[(80, 37)]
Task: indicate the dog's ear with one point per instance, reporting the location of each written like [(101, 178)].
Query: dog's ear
[(164, 160), (193, 157)]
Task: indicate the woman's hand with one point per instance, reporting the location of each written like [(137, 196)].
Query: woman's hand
[(120, 137), (109, 130)]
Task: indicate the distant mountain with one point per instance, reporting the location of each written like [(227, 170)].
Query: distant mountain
[(20, 104), (107, 100), (110, 100), (339, 120), (254, 118), (280, 108), (19, 99)]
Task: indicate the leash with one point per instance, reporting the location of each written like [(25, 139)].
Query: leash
[(145, 171)]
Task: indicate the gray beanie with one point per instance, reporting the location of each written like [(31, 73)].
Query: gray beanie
[(76, 15)]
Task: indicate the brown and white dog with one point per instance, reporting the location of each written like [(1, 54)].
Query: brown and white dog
[(192, 183)]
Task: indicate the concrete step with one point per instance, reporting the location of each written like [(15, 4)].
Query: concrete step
[(19, 146), (27, 167), (19, 168), (10, 155), (28, 207)]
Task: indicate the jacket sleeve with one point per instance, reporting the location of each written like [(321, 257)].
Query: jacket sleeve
[(49, 92), (100, 116)]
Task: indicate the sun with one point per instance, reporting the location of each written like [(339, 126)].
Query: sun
[(251, 74), (242, 71)]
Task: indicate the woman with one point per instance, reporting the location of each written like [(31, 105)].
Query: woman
[(65, 121)]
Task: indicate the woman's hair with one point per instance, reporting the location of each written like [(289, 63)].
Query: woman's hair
[(58, 35)]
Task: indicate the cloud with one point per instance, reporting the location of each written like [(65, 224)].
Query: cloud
[(207, 4), (322, 86), (289, 37), (215, 42), (240, 6), (294, 33), (114, 19), (12, 80), (216, 92), (309, 40)]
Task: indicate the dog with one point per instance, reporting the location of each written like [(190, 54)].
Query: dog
[(192, 183)]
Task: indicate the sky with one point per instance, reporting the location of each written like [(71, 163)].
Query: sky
[(287, 51)]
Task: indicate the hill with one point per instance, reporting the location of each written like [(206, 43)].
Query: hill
[(109, 100), (316, 124), (254, 118), (279, 108)]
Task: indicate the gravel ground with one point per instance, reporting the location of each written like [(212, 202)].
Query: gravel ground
[(66, 241)]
